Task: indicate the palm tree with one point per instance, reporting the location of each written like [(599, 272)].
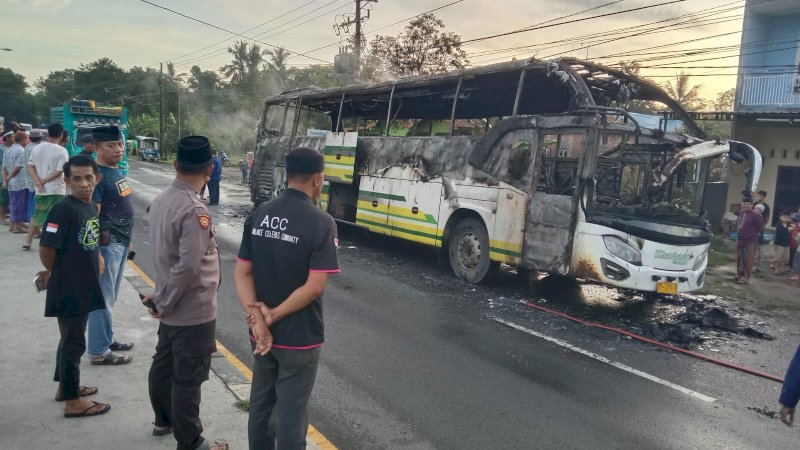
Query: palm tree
[(171, 77), (685, 94), (277, 64), (245, 63)]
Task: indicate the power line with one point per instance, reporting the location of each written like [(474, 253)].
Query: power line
[(217, 27), (563, 42), (245, 31), (696, 18), (598, 16), (215, 53), (390, 25)]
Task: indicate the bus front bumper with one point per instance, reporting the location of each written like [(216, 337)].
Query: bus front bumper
[(622, 274)]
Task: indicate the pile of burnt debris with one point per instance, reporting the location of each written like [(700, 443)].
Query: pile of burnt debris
[(700, 318)]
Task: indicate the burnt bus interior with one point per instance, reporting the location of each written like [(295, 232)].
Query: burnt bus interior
[(470, 103)]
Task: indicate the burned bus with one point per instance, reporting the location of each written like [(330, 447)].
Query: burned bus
[(534, 164)]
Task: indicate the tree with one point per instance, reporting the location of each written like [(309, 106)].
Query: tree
[(245, 64), (684, 93), (277, 64), (422, 49), (92, 80), (57, 88), (630, 67), (203, 81), (17, 104), (724, 101), (318, 75)]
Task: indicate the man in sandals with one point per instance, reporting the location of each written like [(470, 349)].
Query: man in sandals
[(114, 200), (185, 298), (69, 251)]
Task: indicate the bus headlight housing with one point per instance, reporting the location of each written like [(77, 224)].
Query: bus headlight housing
[(698, 263), (621, 249)]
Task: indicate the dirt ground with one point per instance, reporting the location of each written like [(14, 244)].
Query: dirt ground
[(767, 293)]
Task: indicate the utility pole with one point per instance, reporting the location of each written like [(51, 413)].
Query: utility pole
[(357, 43), (345, 26), (161, 129)]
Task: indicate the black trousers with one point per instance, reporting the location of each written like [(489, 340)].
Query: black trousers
[(282, 384), (213, 192), (180, 366), (68, 357)]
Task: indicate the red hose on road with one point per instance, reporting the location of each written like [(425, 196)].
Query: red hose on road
[(654, 342)]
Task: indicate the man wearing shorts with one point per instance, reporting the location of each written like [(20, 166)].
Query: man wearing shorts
[(45, 167)]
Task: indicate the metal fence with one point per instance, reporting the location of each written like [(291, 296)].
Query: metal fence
[(776, 91)]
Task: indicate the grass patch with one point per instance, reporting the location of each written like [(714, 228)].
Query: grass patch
[(722, 251), (242, 405)]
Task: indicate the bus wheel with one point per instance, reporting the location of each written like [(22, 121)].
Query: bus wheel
[(468, 249)]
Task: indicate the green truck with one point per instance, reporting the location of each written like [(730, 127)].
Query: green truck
[(80, 116)]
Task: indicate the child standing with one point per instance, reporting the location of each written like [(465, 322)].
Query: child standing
[(781, 244)]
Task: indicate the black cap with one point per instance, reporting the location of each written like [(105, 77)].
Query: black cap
[(105, 134), (86, 139), (305, 160), (194, 149)]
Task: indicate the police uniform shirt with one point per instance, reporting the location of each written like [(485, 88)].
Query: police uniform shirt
[(186, 257), (73, 230), (285, 239)]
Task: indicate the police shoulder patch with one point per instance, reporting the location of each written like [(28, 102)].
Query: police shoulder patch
[(205, 221)]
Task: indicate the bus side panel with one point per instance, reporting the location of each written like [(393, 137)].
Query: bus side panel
[(414, 207), (340, 157), (480, 199), (548, 238), (506, 238), (324, 196), (373, 204)]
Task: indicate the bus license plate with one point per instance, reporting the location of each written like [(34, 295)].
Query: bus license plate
[(665, 287)]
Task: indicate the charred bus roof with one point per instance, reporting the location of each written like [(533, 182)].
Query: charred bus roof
[(526, 87)]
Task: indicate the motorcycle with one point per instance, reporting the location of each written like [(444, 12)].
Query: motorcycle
[(226, 162)]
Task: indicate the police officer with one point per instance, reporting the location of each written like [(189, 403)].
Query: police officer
[(288, 250), (185, 299)]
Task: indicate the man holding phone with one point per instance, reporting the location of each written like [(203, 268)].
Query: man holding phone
[(113, 198), (73, 265)]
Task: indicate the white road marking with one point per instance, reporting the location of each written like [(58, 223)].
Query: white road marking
[(603, 359)]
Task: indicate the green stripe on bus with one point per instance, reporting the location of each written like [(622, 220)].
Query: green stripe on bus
[(404, 230), (338, 149), (504, 251), (427, 217), (399, 198)]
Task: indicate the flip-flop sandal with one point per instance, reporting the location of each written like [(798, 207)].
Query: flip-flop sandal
[(162, 432), (120, 346), (217, 445), (26, 247), (106, 407), (112, 359), (85, 391)]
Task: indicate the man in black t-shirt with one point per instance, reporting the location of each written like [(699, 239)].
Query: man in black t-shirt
[(73, 265), (288, 250)]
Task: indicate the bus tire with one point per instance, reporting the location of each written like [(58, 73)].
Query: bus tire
[(468, 249)]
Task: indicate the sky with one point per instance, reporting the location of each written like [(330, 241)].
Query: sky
[(50, 35)]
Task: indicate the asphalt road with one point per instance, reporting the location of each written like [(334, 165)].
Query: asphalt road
[(417, 359)]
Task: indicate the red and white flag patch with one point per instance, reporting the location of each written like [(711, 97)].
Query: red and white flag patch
[(51, 227)]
